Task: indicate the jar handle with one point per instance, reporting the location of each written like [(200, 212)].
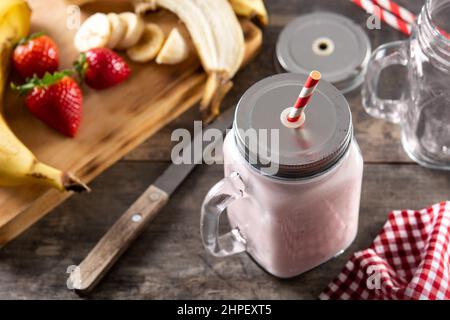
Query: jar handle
[(216, 201), (394, 53)]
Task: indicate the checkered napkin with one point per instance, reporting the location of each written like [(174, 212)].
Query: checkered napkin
[(409, 259)]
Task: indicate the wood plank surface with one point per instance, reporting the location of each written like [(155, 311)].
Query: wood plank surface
[(168, 260)]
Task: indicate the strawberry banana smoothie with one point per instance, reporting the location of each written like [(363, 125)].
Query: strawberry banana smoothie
[(306, 211), (296, 225)]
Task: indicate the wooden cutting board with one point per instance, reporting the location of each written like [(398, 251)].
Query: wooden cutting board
[(114, 121)]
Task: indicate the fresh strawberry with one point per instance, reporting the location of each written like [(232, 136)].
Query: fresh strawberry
[(102, 68), (35, 55), (56, 99)]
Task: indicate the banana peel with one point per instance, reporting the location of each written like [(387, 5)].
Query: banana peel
[(18, 165), (217, 37), (251, 9), (219, 40)]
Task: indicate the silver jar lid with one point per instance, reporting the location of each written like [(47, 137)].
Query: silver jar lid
[(328, 42), (301, 153)]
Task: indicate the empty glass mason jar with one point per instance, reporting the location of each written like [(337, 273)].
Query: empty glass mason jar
[(296, 206), (423, 110)]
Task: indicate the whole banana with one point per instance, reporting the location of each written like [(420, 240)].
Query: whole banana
[(17, 164)]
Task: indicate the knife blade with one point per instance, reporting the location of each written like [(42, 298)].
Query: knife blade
[(84, 277), (175, 174)]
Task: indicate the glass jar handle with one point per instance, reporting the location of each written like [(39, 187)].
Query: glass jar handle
[(216, 201), (394, 53)]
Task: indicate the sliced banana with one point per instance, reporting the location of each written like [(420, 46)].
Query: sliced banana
[(118, 30), (174, 50), (149, 45), (94, 32), (135, 28), (219, 40)]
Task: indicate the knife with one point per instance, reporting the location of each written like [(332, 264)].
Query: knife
[(84, 277)]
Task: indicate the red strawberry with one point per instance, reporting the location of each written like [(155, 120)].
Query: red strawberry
[(102, 68), (35, 55), (56, 99)]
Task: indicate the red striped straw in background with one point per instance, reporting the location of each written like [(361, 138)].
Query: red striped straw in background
[(384, 15), (397, 10), (294, 117), (394, 15)]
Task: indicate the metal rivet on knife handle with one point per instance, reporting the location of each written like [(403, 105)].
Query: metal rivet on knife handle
[(118, 239)]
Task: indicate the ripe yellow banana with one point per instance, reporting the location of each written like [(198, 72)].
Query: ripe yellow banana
[(17, 164), (250, 9)]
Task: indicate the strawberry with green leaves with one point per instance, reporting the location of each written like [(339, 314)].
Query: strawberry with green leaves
[(35, 55), (102, 68), (56, 99)]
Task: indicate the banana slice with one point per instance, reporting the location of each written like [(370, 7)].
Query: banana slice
[(135, 28), (174, 50), (118, 30), (149, 45), (94, 32)]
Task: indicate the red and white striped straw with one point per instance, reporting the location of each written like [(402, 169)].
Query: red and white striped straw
[(403, 13), (304, 96), (384, 15), (396, 16), (397, 10)]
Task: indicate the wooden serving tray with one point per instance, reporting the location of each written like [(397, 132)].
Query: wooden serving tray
[(114, 121)]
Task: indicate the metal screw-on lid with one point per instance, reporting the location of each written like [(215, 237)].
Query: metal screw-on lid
[(328, 42), (303, 152)]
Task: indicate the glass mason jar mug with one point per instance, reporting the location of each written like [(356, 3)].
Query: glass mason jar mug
[(423, 110), (306, 211)]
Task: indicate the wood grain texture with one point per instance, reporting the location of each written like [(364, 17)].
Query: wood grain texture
[(114, 121), (114, 243), (169, 261)]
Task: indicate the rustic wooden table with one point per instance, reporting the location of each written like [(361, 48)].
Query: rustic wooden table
[(168, 260)]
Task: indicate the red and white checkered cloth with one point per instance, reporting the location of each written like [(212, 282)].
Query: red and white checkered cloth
[(409, 259)]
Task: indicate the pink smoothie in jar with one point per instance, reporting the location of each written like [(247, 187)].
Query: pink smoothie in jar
[(306, 212)]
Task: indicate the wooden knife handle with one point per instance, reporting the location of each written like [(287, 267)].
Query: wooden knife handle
[(85, 277)]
